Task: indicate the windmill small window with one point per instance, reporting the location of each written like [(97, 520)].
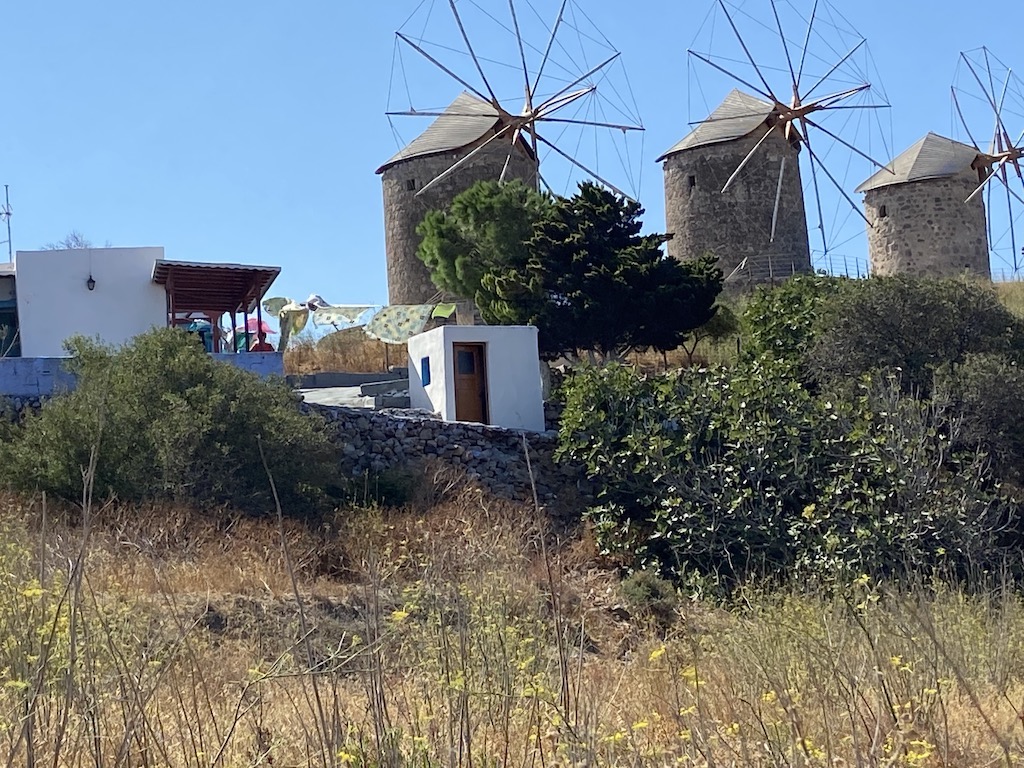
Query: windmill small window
[(883, 212), (691, 181), (410, 185)]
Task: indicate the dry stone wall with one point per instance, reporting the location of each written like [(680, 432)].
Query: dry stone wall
[(16, 408), (370, 442), (376, 441), (737, 224), (925, 229), (408, 278)]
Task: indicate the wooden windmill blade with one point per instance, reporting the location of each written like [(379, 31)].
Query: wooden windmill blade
[(987, 92), (818, 80)]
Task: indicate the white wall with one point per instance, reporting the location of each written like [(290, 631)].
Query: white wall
[(432, 397), (514, 398), (54, 302)]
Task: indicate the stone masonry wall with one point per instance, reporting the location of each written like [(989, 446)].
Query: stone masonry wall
[(375, 441), (927, 230), (408, 278), (17, 407), (738, 224)]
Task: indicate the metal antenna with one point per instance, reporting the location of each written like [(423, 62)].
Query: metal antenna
[(5, 214)]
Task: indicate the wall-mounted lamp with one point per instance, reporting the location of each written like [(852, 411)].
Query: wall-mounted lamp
[(90, 283)]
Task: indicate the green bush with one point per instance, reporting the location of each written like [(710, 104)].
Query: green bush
[(167, 421), (911, 324), (986, 396), (835, 329), (645, 591), (781, 321), (745, 473)]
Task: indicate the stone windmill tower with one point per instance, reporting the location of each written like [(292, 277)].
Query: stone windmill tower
[(735, 186), (758, 227), (415, 182), (480, 137), (918, 221)]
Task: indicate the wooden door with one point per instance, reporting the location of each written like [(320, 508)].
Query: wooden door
[(470, 383)]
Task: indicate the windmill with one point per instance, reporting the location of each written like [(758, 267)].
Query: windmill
[(804, 94), (537, 90), (988, 107)]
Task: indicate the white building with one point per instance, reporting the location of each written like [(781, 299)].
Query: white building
[(115, 294), (108, 293), (478, 373)]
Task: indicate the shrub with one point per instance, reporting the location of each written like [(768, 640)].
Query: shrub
[(166, 421), (780, 322), (835, 329), (645, 591), (986, 395), (744, 473), (912, 324)]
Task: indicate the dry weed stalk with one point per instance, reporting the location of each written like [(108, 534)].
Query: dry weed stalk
[(479, 645)]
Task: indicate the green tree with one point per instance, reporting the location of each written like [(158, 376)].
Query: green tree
[(486, 226), (577, 268), (593, 282), (169, 422), (720, 327)]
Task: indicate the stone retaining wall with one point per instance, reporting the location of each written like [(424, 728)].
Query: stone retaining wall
[(375, 441), (15, 407), (370, 442)]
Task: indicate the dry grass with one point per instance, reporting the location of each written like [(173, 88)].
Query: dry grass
[(350, 350), (1012, 294), (466, 636)]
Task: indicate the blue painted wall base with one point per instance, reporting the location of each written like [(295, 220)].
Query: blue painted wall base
[(45, 376)]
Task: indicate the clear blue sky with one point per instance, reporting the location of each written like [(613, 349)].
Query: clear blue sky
[(250, 131)]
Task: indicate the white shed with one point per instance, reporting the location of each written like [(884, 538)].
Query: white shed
[(478, 373)]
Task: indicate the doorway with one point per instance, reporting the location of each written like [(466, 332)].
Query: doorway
[(470, 383), (10, 336)]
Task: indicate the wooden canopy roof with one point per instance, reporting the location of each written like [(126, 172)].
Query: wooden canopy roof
[(194, 286)]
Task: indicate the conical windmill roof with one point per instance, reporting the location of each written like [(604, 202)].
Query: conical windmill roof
[(933, 157), (466, 120), (737, 116)]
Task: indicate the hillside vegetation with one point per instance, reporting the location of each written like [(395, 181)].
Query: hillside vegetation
[(148, 636), (870, 427), (806, 556)]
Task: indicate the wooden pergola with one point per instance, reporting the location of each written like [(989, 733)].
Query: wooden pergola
[(214, 290)]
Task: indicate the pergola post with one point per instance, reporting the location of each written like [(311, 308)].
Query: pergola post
[(259, 319), (216, 290)]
